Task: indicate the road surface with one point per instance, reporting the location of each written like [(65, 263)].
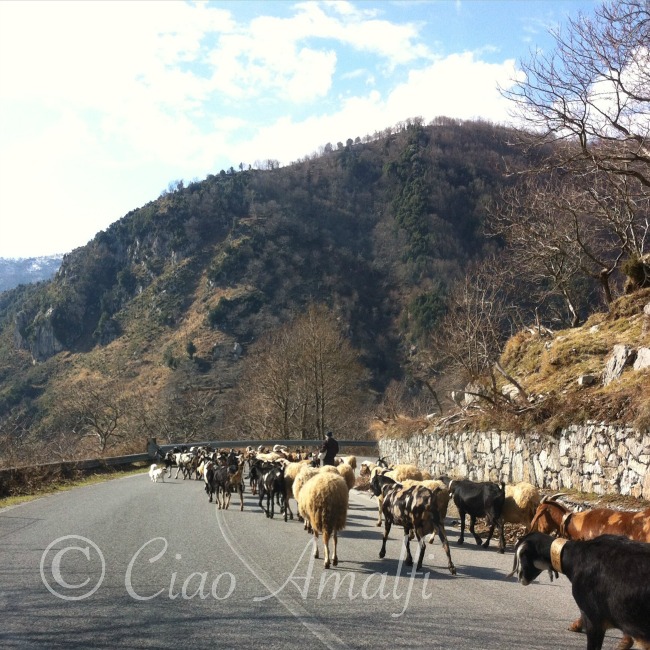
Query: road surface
[(135, 564)]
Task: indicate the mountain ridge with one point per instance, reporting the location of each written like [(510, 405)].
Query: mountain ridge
[(146, 319), (27, 270)]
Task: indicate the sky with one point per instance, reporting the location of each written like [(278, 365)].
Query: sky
[(104, 104)]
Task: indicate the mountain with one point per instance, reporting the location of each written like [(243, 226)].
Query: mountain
[(27, 270), (147, 330)]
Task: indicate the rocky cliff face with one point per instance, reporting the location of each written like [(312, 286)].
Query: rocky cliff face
[(41, 342)]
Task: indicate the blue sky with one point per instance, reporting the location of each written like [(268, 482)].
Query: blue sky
[(103, 104)]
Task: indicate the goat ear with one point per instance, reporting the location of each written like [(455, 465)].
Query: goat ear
[(542, 564)]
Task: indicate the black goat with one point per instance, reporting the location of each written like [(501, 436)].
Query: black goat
[(271, 485), (610, 580), (222, 481), (415, 509), (169, 459), (481, 499)]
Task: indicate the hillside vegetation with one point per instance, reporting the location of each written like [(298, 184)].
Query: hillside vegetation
[(153, 328), (562, 375)]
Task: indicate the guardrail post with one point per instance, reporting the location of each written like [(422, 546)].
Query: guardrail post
[(152, 447)]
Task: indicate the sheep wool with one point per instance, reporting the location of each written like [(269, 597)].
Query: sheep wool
[(323, 502), (520, 504), (347, 473), (302, 477)]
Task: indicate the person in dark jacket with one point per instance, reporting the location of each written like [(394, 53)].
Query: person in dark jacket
[(330, 448)]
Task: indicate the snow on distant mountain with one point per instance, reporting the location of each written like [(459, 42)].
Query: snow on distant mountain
[(15, 271)]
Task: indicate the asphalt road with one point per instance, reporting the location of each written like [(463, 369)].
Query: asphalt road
[(133, 564)]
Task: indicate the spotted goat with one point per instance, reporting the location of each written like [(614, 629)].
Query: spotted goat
[(415, 509)]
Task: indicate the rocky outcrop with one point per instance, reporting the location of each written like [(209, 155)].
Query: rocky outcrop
[(642, 360), (589, 458), (621, 357), (36, 336)]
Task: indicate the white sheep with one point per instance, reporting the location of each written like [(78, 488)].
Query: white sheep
[(367, 467), (307, 472), (347, 473), (520, 504), (323, 502), (350, 460), (291, 470)]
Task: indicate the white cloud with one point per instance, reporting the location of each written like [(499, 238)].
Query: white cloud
[(108, 101)]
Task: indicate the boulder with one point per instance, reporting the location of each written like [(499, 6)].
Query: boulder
[(642, 360), (621, 357)]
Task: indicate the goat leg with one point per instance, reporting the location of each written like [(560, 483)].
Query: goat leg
[(486, 543), (382, 552), (595, 634), (409, 557), (472, 522), (445, 545), (461, 539), (422, 543)]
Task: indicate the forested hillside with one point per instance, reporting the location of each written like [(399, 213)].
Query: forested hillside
[(374, 230), (266, 303)]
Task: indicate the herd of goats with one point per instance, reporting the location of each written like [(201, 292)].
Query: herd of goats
[(605, 553)]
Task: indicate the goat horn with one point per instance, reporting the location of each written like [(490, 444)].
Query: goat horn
[(555, 496)]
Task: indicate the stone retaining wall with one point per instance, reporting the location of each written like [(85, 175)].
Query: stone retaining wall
[(589, 458)]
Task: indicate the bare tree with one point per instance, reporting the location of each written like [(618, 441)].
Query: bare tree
[(591, 94), (92, 407), (583, 207), (479, 320), (561, 227), (300, 380)]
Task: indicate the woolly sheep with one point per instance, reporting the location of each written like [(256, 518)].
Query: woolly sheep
[(323, 501), (271, 457), (306, 472), (366, 467), (350, 460), (347, 473), (291, 470), (520, 504)]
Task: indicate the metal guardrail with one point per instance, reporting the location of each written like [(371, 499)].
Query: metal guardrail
[(238, 444), (13, 477), (116, 461)]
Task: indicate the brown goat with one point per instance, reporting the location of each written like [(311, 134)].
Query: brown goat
[(553, 517)]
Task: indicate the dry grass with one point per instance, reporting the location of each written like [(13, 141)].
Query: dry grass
[(548, 364), (401, 427), (549, 367), (54, 484)]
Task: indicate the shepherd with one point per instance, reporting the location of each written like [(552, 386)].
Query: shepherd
[(329, 449)]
